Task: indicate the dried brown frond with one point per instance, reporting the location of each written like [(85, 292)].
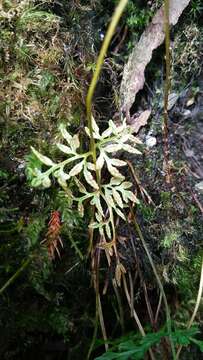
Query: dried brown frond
[(52, 238)]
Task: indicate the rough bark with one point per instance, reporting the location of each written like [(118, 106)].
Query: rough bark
[(153, 36)]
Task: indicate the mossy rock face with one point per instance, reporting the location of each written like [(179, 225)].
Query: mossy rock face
[(44, 68)]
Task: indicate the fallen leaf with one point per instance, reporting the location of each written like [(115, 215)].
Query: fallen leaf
[(190, 102), (141, 120), (172, 99), (152, 37)]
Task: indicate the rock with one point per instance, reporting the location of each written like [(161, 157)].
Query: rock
[(150, 141), (199, 187), (186, 113)]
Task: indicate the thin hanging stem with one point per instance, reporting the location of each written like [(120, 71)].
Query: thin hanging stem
[(158, 309), (94, 337), (142, 332), (120, 306), (168, 316), (102, 324), (166, 91), (95, 275)]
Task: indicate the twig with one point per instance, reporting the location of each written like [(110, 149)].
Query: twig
[(72, 267)]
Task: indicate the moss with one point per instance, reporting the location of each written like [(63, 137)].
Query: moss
[(170, 237), (186, 276), (148, 212), (186, 55), (37, 21)]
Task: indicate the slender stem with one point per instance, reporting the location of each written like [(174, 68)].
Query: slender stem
[(149, 308), (131, 293), (166, 91), (120, 306), (115, 19), (135, 315), (116, 16), (95, 278), (95, 331), (168, 316), (102, 324), (158, 308), (142, 332), (199, 296), (13, 277)]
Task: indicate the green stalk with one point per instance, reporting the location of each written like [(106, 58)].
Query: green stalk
[(115, 19), (13, 277), (168, 316)]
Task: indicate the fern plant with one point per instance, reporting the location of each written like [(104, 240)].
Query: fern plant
[(109, 198), (133, 346)]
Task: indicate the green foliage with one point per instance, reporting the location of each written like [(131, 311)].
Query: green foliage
[(172, 235), (186, 52), (186, 276), (115, 193), (24, 52), (135, 347), (137, 18), (74, 227), (33, 165), (3, 174), (33, 230), (37, 20), (39, 273), (147, 211), (59, 322), (196, 8)]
